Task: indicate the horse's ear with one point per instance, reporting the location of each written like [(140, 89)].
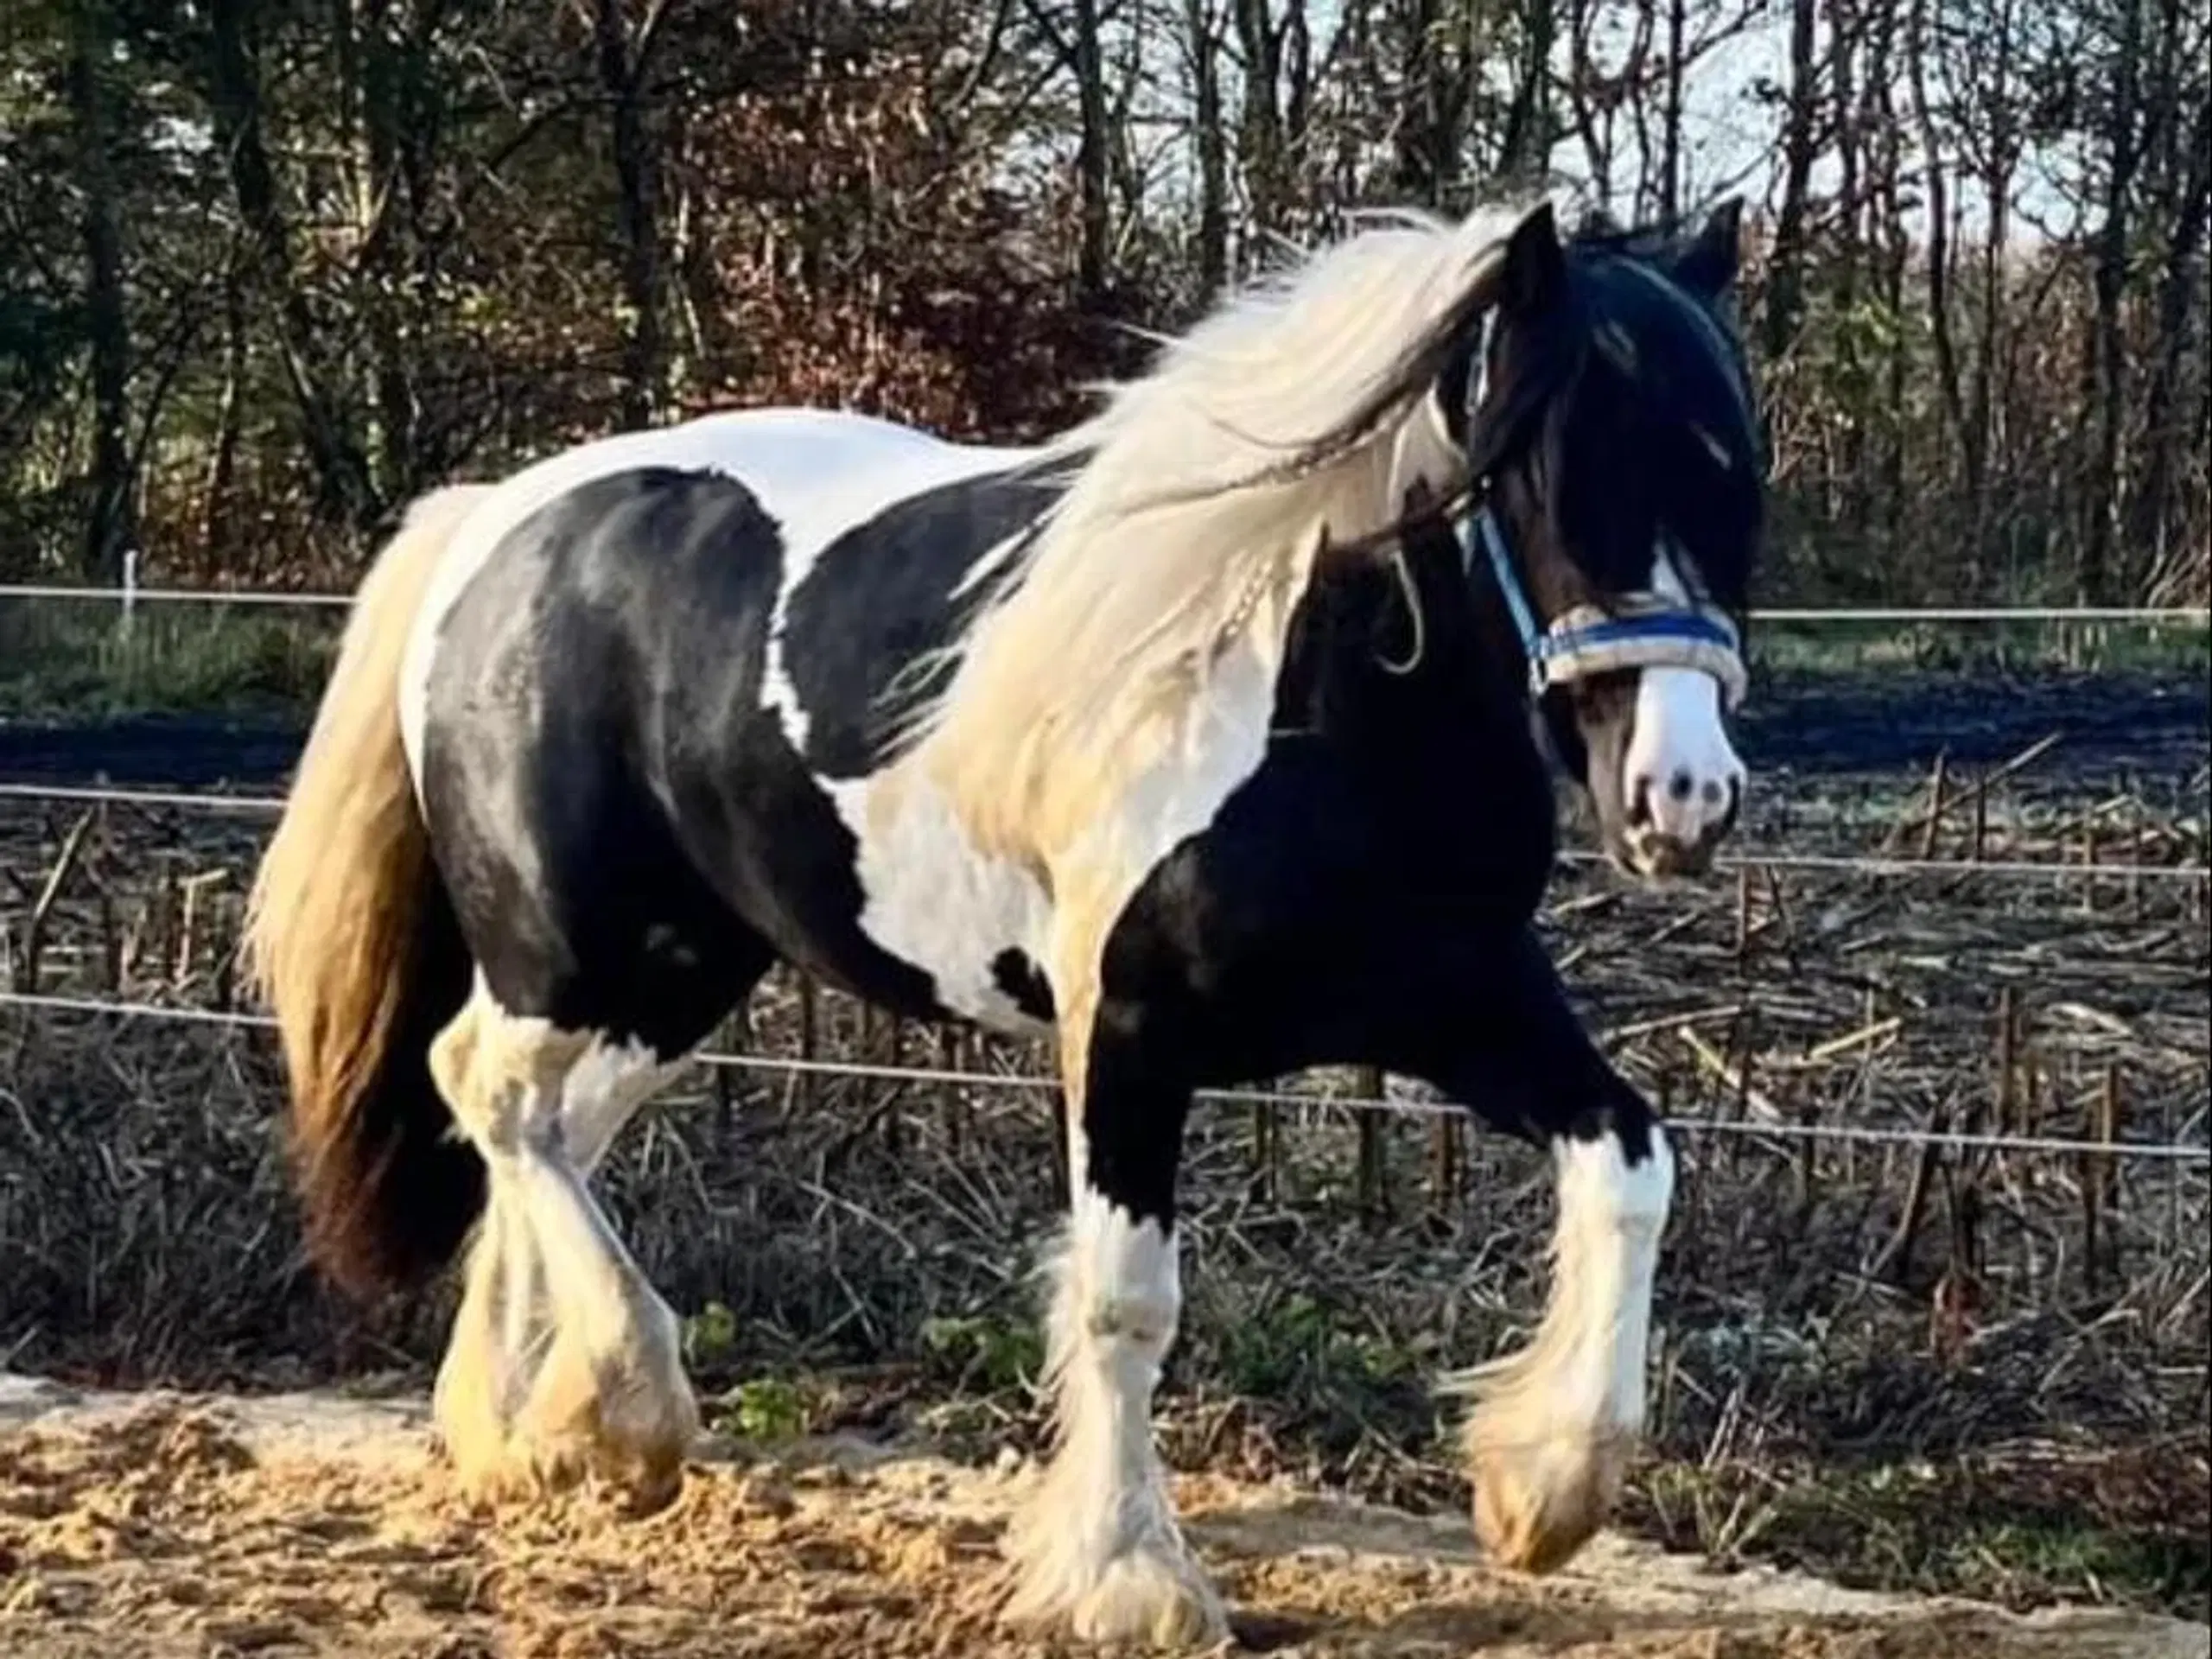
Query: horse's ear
[(1534, 268), (1708, 265)]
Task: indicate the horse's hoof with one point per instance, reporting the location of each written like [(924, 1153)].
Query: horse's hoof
[(612, 1424), (1151, 1595), (1535, 1505), (1155, 1597)]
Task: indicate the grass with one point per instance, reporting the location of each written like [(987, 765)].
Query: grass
[(2116, 647), (2022, 1527), (81, 661)]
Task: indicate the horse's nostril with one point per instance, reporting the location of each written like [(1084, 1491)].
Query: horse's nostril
[(1711, 792), (1679, 784)]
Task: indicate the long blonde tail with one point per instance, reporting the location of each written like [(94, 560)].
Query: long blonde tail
[(352, 940)]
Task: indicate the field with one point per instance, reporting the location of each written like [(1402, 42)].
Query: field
[(1974, 1366)]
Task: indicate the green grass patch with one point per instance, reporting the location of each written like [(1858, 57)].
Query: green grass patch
[(2123, 1526), (2160, 647), (85, 660)]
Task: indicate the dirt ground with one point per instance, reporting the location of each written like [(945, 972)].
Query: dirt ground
[(162, 1527)]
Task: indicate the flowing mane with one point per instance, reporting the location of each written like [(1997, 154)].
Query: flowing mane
[(1293, 417)]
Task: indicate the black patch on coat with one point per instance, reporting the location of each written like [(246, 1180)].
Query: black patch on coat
[(629, 838), (882, 595), (1023, 983), (1362, 898)]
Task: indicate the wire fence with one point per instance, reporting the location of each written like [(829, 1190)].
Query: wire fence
[(942, 1077), (130, 596), (1834, 864), (1857, 866)]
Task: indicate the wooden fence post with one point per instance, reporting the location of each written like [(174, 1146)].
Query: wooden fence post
[(1445, 1153), (2097, 1179), (809, 1041), (1936, 806), (2008, 1037), (1368, 1084), (1267, 1136)]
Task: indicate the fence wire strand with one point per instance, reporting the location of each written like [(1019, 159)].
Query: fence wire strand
[(1834, 864), (862, 1071), (1788, 616)]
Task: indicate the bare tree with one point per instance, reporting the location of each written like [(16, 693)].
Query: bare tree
[(110, 526), (622, 56)]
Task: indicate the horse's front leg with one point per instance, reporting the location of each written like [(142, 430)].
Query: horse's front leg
[(1555, 1425), (1097, 1551)]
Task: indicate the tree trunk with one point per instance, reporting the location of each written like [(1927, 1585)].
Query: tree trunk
[(622, 64), (1526, 148), (2107, 347), (1939, 228), (2000, 155), (234, 107), (1213, 142), (1263, 146), (222, 467), (1851, 483), (1785, 283), (1094, 247), (110, 521), (378, 97), (2180, 293), (1670, 172)]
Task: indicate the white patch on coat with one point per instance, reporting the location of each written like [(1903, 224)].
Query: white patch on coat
[(816, 473), (602, 1092), (1183, 790), (932, 899), (1680, 754)]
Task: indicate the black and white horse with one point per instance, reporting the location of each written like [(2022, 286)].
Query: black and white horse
[(1209, 740)]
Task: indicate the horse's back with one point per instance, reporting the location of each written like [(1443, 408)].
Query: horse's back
[(816, 472)]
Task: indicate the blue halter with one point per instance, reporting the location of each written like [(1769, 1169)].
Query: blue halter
[(1645, 629)]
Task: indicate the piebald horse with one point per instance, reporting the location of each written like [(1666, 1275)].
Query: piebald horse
[(1211, 740)]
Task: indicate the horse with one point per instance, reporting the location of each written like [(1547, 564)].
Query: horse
[(1211, 739)]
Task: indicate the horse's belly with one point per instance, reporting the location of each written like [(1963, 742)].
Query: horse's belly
[(975, 924)]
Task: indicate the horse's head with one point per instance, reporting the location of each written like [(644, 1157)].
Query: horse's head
[(1610, 425)]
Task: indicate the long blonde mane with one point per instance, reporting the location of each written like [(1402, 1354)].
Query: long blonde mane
[(1296, 417)]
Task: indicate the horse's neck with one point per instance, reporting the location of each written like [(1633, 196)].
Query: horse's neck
[(1388, 656)]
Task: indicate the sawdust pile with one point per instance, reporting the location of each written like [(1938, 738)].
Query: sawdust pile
[(161, 1528)]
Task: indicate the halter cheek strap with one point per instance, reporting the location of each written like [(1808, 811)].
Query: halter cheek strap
[(1644, 630)]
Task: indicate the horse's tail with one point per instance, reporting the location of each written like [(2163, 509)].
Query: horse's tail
[(351, 938)]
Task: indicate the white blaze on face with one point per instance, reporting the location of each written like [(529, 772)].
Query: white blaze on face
[(1680, 759)]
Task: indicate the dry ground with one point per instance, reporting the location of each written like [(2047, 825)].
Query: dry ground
[(162, 1527)]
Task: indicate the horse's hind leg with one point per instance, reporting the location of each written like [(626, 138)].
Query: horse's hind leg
[(611, 1389), (498, 1340), (565, 1358)]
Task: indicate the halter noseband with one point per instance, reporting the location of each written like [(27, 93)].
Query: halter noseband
[(1640, 630), (1635, 631)]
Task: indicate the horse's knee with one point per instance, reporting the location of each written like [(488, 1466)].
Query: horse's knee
[(501, 1074), (1120, 1280)]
